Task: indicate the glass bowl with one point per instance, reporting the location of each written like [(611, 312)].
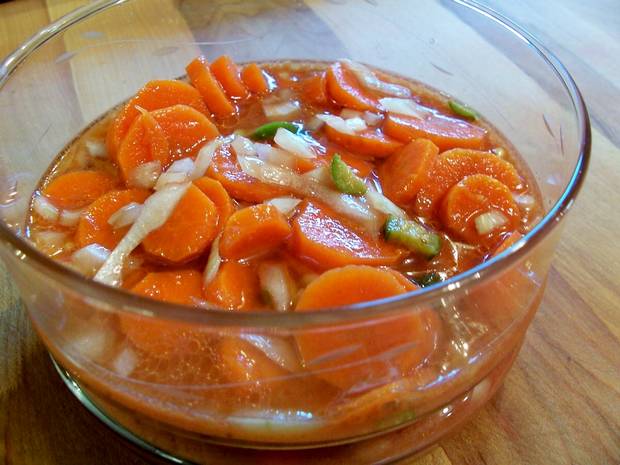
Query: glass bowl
[(73, 71)]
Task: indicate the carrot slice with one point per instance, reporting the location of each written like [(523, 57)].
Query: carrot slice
[(78, 189), (314, 89), (202, 78), (225, 168), (93, 226), (154, 95), (187, 130), (188, 232), (145, 141), (344, 88), (364, 353), (227, 73), (254, 78), (235, 287), (252, 231), (326, 240), (445, 132), (218, 195), (475, 195), (245, 364), (452, 166), (407, 170), (369, 142)]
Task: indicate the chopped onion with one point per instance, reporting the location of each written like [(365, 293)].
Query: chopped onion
[(50, 242), (125, 362), (345, 126), (275, 281), (281, 110), (91, 342), (347, 113), (184, 165), (145, 175), (278, 349), (96, 148), (213, 262), (243, 147), (525, 200), (167, 179), (404, 107), (275, 156), (372, 119), (314, 124), (489, 221), (286, 205), (205, 156), (125, 215), (293, 143), (381, 203), (320, 175), (370, 80), (157, 209), (70, 217), (45, 209), (89, 259)]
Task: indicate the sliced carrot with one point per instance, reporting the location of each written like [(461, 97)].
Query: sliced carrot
[(154, 95), (445, 132), (235, 287), (475, 195), (160, 337), (363, 354), (369, 142), (403, 173), (188, 232), (93, 226), (187, 130), (314, 89), (227, 73), (326, 240), (144, 142), (254, 78), (218, 195), (202, 78), (252, 231), (344, 88), (78, 189), (452, 166), (225, 168), (244, 364), (403, 280)]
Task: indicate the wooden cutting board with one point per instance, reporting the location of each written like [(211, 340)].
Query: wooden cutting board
[(561, 402)]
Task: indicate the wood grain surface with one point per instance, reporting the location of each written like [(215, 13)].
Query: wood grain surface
[(560, 404)]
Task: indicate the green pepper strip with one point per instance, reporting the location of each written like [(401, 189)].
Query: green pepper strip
[(412, 235), (345, 179), (268, 131), (463, 110)]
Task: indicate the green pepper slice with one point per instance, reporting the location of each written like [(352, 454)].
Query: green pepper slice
[(412, 235)]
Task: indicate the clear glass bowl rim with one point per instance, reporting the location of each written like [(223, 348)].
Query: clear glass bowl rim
[(124, 301)]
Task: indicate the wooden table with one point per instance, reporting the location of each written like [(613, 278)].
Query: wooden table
[(561, 402)]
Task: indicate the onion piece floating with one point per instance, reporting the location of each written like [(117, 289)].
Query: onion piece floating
[(69, 217), (525, 200), (370, 80), (347, 113), (276, 282), (372, 119), (489, 221), (381, 203), (205, 156), (96, 148), (345, 126), (314, 124), (293, 143), (213, 262), (278, 349), (285, 205), (156, 211), (275, 156), (145, 175), (125, 215), (89, 259), (50, 242), (405, 107), (281, 110), (125, 362), (45, 209)]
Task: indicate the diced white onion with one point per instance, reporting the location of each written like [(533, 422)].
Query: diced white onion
[(167, 179), (319, 175), (489, 221), (213, 262), (347, 113), (281, 110), (345, 126), (156, 211), (69, 217), (278, 349), (404, 107), (293, 143), (184, 165), (50, 242), (372, 119), (314, 124), (125, 362), (370, 80), (286, 205), (125, 215), (91, 342), (204, 158), (275, 156), (45, 209), (243, 147), (525, 200), (96, 148), (381, 203), (145, 175), (89, 259), (274, 279)]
